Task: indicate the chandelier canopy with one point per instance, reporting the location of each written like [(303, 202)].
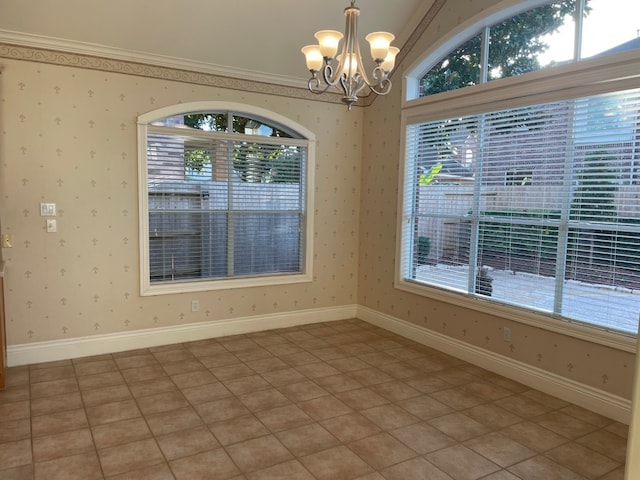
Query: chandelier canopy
[(346, 70)]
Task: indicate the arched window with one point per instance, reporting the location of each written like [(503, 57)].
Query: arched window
[(224, 198), (519, 39), (521, 178)]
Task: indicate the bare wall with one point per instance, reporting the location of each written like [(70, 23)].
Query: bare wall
[(69, 137)]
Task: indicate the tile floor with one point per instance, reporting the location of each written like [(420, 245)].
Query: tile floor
[(332, 401)]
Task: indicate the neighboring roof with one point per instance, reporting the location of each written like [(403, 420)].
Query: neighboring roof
[(623, 47)]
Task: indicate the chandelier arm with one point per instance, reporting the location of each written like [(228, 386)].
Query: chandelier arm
[(329, 75), (382, 84), (315, 85), (350, 88), (382, 88)]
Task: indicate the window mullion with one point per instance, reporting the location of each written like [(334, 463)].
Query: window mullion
[(565, 211), (230, 210), (477, 202), (302, 193), (484, 54), (579, 19)]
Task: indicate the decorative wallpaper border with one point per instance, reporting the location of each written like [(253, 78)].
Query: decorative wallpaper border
[(104, 64), (12, 49)]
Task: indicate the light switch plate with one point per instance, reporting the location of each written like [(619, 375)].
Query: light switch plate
[(47, 209)]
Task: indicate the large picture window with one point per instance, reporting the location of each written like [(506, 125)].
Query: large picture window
[(520, 192), (224, 201), (534, 206)]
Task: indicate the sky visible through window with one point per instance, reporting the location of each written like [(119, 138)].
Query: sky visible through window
[(609, 24)]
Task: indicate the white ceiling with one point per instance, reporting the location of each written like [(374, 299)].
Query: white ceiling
[(252, 38)]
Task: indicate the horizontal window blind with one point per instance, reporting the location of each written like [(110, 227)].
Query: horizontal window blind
[(534, 206), (223, 207)]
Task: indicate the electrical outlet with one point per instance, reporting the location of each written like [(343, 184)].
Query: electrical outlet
[(52, 225), (7, 240), (506, 334), (195, 305)]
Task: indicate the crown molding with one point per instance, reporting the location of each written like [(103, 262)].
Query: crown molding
[(112, 53), (34, 48)]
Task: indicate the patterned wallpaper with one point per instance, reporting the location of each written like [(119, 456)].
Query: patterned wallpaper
[(69, 138), (595, 365), (67, 126)]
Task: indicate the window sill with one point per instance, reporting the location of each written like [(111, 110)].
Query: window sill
[(168, 288), (549, 322)]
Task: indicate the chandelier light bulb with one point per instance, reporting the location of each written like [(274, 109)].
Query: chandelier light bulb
[(390, 60), (314, 57), (379, 43), (329, 41), (349, 65)]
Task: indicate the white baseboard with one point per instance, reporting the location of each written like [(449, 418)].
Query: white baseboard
[(599, 401), (152, 337)]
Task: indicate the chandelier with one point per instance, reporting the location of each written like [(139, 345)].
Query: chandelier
[(346, 71)]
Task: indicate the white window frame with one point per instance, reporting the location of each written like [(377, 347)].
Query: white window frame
[(144, 120), (586, 77)]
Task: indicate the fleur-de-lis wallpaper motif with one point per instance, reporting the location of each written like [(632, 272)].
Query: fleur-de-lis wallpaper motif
[(83, 157)]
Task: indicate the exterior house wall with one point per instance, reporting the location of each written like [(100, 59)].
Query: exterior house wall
[(574, 359)]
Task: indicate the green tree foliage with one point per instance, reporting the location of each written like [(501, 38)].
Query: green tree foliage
[(257, 162), (195, 159), (594, 197), (252, 161), (427, 178), (461, 68), (514, 46)]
